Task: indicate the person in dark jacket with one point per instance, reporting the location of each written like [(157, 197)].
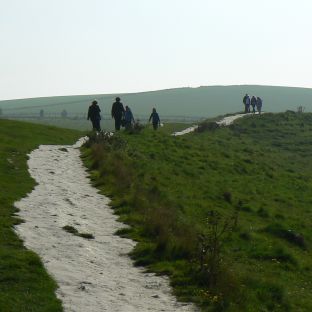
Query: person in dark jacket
[(155, 119), (246, 101), (259, 105), (117, 113), (94, 115), (128, 118), (253, 103)]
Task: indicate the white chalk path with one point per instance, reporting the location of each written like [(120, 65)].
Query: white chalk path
[(226, 121), (92, 275)]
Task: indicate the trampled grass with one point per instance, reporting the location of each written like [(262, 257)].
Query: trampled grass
[(256, 173), (24, 283)]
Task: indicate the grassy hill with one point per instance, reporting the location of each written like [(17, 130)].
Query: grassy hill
[(24, 283), (226, 213), (182, 102)]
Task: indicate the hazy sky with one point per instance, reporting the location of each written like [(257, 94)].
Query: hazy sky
[(65, 47)]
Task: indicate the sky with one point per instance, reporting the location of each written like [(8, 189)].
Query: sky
[(68, 47)]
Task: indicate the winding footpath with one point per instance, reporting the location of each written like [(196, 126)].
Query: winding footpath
[(93, 275)]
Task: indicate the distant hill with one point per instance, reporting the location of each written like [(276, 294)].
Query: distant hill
[(197, 102)]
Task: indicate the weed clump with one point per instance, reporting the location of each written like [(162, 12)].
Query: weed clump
[(106, 139), (124, 232), (277, 254), (136, 128), (74, 231), (86, 235), (63, 149), (272, 294)]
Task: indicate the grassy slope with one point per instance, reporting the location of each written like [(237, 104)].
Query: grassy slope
[(166, 186), (204, 101), (24, 284)]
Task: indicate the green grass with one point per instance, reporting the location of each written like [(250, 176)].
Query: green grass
[(24, 283), (165, 188)]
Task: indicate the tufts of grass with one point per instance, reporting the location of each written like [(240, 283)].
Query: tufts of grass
[(70, 229), (74, 231), (86, 235), (289, 235), (63, 149), (272, 295), (276, 254)]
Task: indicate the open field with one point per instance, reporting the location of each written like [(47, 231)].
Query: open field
[(24, 283), (226, 213)]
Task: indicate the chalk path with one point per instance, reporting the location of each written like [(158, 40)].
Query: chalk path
[(92, 275), (226, 121)]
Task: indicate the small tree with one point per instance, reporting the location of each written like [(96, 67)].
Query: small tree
[(211, 242)]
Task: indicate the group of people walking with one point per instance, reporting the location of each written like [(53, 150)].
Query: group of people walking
[(124, 118), (122, 115), (254, 101)]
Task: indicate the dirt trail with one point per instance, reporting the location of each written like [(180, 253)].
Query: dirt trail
[(93, 275)]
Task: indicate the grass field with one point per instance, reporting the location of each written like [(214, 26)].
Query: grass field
[(24, 284), (226, 213)]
